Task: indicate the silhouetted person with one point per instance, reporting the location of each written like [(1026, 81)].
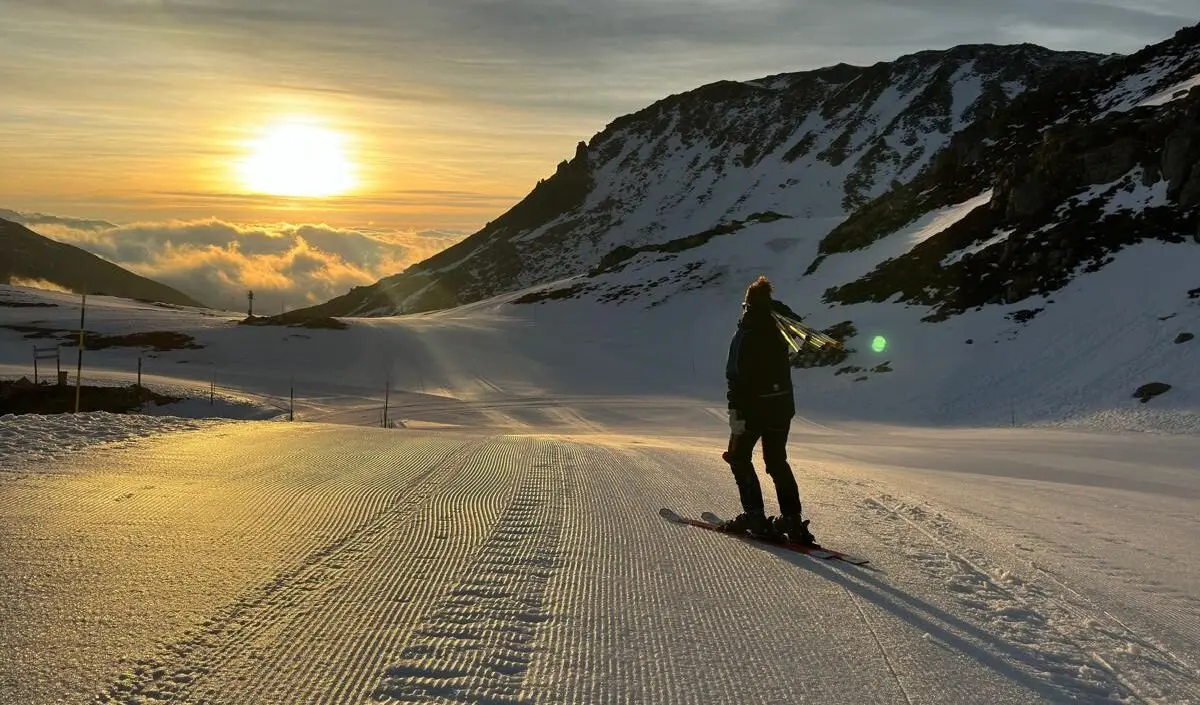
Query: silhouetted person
[(761, 407)]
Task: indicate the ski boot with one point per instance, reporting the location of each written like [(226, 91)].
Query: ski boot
[(755, 523), (795, 528)]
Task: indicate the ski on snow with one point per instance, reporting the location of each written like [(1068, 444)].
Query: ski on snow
[(711, 522)]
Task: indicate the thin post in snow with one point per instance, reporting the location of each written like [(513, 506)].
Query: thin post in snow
[(79, 364), (292, 399), (386, 398)]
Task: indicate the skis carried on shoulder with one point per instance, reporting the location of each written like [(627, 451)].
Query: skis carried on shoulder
[(712, 522), (799, 335)]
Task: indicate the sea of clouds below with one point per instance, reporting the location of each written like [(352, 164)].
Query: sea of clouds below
[(215, 261)]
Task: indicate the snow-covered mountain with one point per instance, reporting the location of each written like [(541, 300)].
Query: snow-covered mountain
[(1040, 268), (1059, 183), (810, 146)]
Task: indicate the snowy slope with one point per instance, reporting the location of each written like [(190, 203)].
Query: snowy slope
[(502, 543), (1046, 286), (284, 563), (1075, 356)]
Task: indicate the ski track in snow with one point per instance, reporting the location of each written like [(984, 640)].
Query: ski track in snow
[(477, 643), (334, 600), (1073, 643)]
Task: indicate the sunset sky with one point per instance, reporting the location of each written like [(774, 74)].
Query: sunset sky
[(433, 116)]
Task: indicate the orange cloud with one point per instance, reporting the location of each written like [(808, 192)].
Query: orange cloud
[(284, 264)]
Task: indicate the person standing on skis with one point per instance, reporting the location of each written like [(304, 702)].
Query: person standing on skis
[(761, 407)]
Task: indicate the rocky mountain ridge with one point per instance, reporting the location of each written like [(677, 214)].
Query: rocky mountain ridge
[(811, 145), (1078, 170)]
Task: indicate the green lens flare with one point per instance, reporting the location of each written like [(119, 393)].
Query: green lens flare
[(879, 344)]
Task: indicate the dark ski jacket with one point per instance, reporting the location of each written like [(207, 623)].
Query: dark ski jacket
[(758, 371)]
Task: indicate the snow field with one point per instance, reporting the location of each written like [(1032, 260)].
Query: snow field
[(283, 563)]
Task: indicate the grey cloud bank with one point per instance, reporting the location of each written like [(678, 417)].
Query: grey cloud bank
[(600, 57)]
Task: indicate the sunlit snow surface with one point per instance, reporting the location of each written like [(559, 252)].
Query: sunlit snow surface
[(282, 563), (502, 544), (24, 439)]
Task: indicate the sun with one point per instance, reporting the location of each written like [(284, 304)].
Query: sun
[(297, 158)]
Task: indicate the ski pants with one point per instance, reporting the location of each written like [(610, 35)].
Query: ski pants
[(774, 450)]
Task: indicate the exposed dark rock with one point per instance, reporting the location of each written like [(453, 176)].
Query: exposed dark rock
[(295, 319), (1024, 315), (569, 292), (623, 253), (28, 398), (1036, 155), (36, 332), (1183, 338), (1146, 392), (841, 332), (829, 356), (159, 340), (1053, 233)]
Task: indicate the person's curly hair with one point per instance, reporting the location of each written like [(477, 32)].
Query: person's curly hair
[(759, 291)]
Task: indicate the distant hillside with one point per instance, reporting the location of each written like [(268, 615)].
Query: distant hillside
[(27, 256)]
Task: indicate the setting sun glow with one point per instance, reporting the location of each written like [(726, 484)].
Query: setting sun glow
[(297, 159)]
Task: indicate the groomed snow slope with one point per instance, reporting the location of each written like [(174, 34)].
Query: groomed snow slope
[(288, 563), (505, 547)]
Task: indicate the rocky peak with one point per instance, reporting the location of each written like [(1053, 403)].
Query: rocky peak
[(805, 145), (1099, 158)]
